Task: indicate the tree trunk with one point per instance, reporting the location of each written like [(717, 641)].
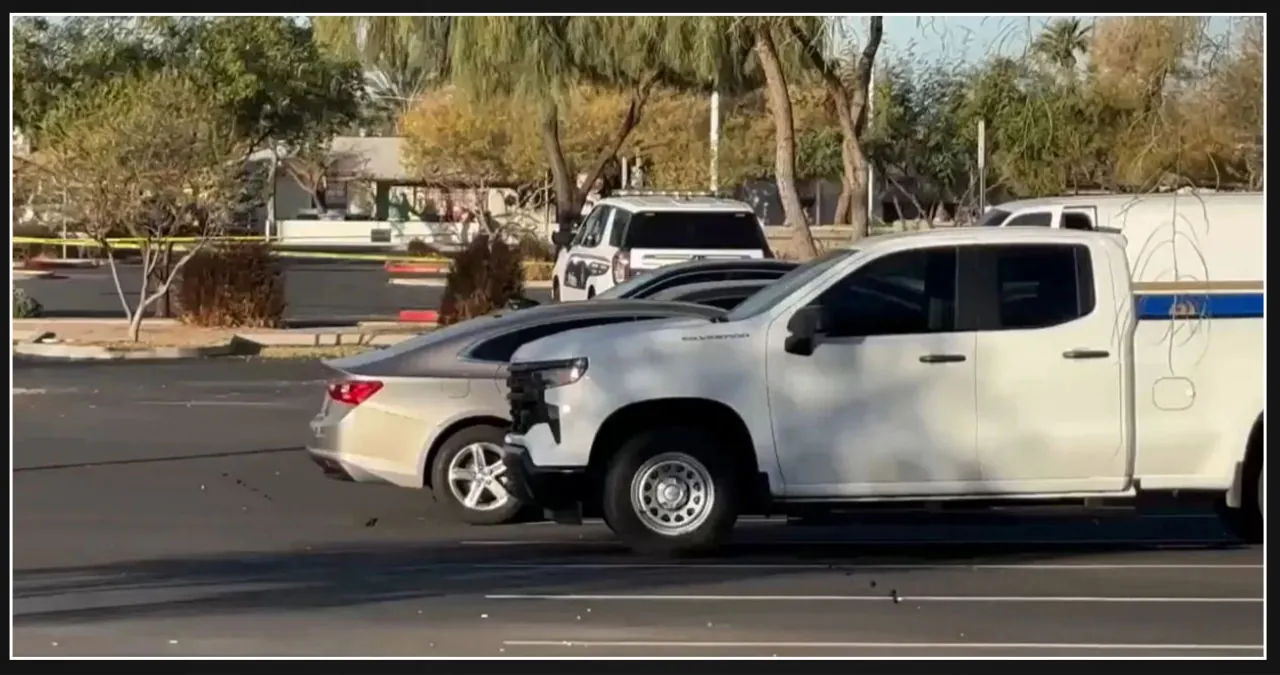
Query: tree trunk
[(568, 200), (850, 208), (570, 196), (855, 188), (785, 142)]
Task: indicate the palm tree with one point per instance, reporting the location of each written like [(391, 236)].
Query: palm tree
[(1062, 42)]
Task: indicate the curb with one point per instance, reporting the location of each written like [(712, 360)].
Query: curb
[(419, 316), (416, 268), (432, 282), (97, 353), (335, 339), (538, 285), (59, 263), (35, 274)]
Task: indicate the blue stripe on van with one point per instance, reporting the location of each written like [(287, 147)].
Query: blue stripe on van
[(1199, 306)]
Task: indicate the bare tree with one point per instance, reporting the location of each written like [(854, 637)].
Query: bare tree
[(147, 161)]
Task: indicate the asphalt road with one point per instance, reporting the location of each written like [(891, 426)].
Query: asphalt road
[(314, 291), (167, 510)]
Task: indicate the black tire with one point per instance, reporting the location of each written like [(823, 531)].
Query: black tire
[(555, 289), (591, 292), (680, 444), (1246, 522), (451, 448)]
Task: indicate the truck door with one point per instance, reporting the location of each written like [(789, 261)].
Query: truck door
[(1053, 355), (884, 404)]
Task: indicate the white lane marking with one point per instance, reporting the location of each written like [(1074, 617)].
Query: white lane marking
[(854, 566), (23, 391), (604, 597), (240, 404), (1030, 646)]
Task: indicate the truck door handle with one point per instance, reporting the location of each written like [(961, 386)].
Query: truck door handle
[(942, 358), (1086, 354)]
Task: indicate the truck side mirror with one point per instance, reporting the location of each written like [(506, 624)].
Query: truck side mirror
[(561, 238), (806, 326)]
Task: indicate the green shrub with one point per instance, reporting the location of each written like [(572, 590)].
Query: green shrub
[(25, 306), (484, 277), (232, 286)]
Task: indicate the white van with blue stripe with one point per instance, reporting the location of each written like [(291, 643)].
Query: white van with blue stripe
[(1198, 263)]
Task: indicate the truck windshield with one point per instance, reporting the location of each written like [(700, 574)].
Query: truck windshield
[(787, 284)]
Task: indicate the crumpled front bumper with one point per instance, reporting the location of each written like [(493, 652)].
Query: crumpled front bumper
[(556, 490)]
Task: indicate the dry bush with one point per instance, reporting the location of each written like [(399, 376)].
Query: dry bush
[(484, 278), (421, 249), (232, 286)]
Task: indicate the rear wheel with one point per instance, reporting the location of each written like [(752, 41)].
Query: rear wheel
[(1247, 521), (671, 492), (465, 475), (555, 289), (591, 292)]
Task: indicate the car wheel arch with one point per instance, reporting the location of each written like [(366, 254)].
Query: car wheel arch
[(447, 431)]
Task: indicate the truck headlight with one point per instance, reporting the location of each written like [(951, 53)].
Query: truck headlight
[(561, 373)]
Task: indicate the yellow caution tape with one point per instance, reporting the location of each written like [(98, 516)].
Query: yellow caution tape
[(182, 243)]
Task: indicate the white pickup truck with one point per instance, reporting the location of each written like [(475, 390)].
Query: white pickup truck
[(985, 364)]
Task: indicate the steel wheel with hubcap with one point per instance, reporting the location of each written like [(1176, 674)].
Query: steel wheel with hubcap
[(671, 502), (672, 493), (466, 477)]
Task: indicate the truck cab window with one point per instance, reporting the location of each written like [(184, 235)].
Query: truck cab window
[(1033, 219), (1039, 286), (905, 293), (1074, 220)]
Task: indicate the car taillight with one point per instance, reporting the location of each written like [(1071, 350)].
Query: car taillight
[(621, 266), (353, 392)]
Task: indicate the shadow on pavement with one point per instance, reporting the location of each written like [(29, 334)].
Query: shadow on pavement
[(353, 576)]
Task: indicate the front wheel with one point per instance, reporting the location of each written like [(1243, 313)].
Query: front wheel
[(555, 289), (671, 492)]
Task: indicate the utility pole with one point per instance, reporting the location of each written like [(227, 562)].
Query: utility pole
[(871, 171), (982, 168), (715, 141)]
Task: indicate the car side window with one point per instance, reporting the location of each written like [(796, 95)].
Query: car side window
[(596, 232), (1041, 285), (906, 293), (499, 349), (725, 302), (1033, 219), (620, 221), (584, 230)]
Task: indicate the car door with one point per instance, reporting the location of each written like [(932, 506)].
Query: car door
[(583, 260), (884, 404), (1051, 363)]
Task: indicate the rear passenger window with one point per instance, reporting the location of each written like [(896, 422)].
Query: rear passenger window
[(1038, 286), (500, 349)]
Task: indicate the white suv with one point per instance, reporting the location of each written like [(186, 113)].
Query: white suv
[(629, 234)]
